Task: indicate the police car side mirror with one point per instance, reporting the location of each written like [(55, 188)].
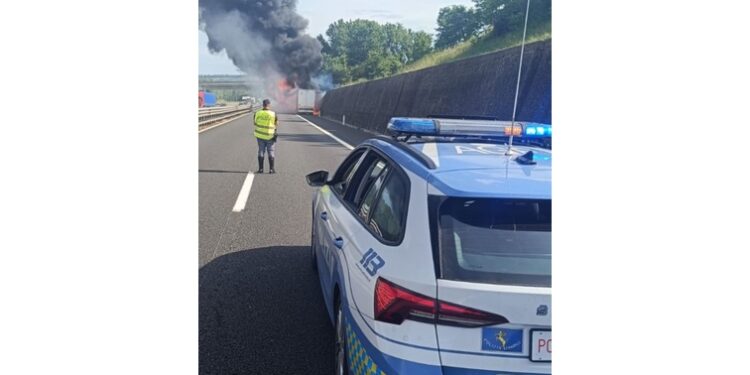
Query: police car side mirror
[(318, 178)]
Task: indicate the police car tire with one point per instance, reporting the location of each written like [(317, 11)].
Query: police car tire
[(340, 335)]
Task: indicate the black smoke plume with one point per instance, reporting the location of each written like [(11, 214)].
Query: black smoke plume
[(262, 37)]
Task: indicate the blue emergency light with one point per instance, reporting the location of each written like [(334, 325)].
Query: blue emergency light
[(406, 125), (467, 128), (537, 130)]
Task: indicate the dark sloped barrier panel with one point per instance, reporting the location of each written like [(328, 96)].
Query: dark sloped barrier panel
[(480, 86)]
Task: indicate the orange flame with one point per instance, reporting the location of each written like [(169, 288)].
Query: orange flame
[(283, 95), (283, 85)]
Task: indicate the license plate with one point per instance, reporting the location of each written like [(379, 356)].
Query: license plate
[(541, 346)]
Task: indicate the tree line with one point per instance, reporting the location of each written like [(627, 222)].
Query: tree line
[(362, 49)]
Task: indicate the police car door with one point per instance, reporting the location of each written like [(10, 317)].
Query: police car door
[(327, 217), (360, 246)]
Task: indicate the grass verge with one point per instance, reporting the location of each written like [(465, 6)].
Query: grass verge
[(481, 45)]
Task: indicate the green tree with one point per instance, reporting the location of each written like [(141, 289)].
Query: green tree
[(508, 15), (404, 44), (337, 67), (324, 43), (421, 45), (355, 39), (363, 49), (397, 42), (455, 24), (380, 65)]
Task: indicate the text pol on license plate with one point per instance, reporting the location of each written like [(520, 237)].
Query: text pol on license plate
[(541, 346)]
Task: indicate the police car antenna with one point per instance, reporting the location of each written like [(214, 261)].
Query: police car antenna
[(518, 80)]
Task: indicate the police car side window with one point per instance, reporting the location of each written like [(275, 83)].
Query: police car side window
[(360, 177), (377, 169), (345, 171), (378, 173), (388, 216)]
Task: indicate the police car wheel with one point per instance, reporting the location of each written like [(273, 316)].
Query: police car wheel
[(340, 348)]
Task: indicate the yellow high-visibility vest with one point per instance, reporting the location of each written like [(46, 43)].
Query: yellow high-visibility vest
[(265, 124)]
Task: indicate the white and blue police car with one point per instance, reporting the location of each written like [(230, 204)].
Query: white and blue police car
[(433, 249)]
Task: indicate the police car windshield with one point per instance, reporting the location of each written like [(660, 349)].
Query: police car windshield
[(498, 241)]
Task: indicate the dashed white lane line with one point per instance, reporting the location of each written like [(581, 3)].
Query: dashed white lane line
[(326, 132), (239, 205)]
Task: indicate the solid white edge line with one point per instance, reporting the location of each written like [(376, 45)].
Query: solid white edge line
[(326, 132), (239, 205), (223, 123)]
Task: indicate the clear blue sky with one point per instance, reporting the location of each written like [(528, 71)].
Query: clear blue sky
[(414, 14)]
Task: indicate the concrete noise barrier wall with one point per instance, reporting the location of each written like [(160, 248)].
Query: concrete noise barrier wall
[(479, 86)]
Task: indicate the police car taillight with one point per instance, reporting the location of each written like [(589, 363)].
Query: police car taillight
[(393, 304), (450, 314)]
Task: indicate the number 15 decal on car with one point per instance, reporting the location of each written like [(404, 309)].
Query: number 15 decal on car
[(372, 262)]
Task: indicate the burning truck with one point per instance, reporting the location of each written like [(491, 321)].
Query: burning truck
[(286, 98)]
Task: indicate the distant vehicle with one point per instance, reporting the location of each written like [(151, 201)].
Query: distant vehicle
[(248, 100), (433, 249), (206, 99), (305, 101)]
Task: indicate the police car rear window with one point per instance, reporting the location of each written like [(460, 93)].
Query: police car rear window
[(498, 241)]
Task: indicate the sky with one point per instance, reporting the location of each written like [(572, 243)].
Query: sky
[(418, 15)]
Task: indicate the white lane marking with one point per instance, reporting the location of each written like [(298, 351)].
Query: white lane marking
[(239, 205), (223, 123), (430, 149), (335, 138)]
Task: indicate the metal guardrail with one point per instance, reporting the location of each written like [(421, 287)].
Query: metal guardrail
[(210, 115)]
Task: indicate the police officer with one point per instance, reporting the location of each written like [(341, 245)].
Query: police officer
[(265, 131)]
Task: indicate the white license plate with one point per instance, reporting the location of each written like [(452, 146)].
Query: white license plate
[(541, 346)]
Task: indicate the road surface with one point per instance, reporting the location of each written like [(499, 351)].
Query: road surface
[(261, 309)]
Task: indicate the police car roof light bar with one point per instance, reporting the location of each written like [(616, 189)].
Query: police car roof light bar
[(412, 126), (467, 128)]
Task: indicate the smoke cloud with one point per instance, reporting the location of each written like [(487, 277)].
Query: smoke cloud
[(264, 38), (323, 82)]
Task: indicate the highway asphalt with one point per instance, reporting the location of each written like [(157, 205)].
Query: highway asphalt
[(261, 309)]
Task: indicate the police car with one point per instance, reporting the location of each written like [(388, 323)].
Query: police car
[(433, 249)]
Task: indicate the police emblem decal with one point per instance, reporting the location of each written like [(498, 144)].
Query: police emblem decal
[(542, 310), (502, 339)]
